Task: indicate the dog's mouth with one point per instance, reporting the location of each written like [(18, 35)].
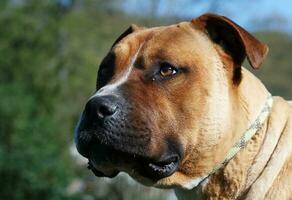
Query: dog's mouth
[(105, 161), (153, 170), (163, 168), (108, 159)]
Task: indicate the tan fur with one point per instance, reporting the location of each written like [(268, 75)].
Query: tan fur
[(207, 111), (237, 179), (262, 170)]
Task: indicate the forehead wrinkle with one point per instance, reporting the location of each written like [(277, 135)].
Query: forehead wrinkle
[(123, 76), (140, 63), (128, 68), (141, 38), (124, 55), (127, 48)]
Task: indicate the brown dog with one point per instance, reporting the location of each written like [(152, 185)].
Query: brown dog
[(175, 109)]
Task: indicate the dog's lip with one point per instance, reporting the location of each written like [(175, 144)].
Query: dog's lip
[(149, 168), (83, 143), (163, 168), (98, 173), (152, 168)]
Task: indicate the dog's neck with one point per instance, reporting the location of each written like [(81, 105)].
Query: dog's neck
[(251, 95)]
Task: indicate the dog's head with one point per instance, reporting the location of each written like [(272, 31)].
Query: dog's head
[(163, 102)]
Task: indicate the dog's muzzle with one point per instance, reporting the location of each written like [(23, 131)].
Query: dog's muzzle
[(106, 136)]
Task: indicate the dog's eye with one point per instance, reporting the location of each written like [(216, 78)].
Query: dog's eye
[(167, 70)]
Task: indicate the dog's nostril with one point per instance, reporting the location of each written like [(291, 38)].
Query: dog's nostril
[(106, 110), (101, 107)]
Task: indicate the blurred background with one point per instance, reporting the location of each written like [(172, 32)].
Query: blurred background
[(49, 56)]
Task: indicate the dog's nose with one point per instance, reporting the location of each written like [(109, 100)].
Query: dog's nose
[(101, 106)]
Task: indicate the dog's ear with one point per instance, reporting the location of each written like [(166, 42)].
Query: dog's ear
[(128, 31), (235, 41)]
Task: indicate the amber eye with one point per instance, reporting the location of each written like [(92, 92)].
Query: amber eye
[(167, 70)]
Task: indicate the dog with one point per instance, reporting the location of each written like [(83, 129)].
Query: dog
[(174, 108)]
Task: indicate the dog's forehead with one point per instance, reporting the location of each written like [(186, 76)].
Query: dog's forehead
[(165, 43)]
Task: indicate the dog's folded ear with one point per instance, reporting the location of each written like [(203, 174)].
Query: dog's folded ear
[(235, 41), (128, 31)]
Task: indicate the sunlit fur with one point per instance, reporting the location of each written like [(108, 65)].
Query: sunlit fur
[(205, 112)]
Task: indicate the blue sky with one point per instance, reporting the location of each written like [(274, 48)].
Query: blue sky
[(251, 14)]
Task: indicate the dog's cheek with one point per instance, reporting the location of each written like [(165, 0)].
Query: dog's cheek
[(153, 112), (141, 116)]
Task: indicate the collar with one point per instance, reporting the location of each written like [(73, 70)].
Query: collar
[(247, 135)]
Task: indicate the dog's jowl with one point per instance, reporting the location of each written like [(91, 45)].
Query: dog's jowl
[(174, 108)]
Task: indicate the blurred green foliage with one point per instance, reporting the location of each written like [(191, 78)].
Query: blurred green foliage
[(48, 63), (34, 163), (276, 71), (49, 56)]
